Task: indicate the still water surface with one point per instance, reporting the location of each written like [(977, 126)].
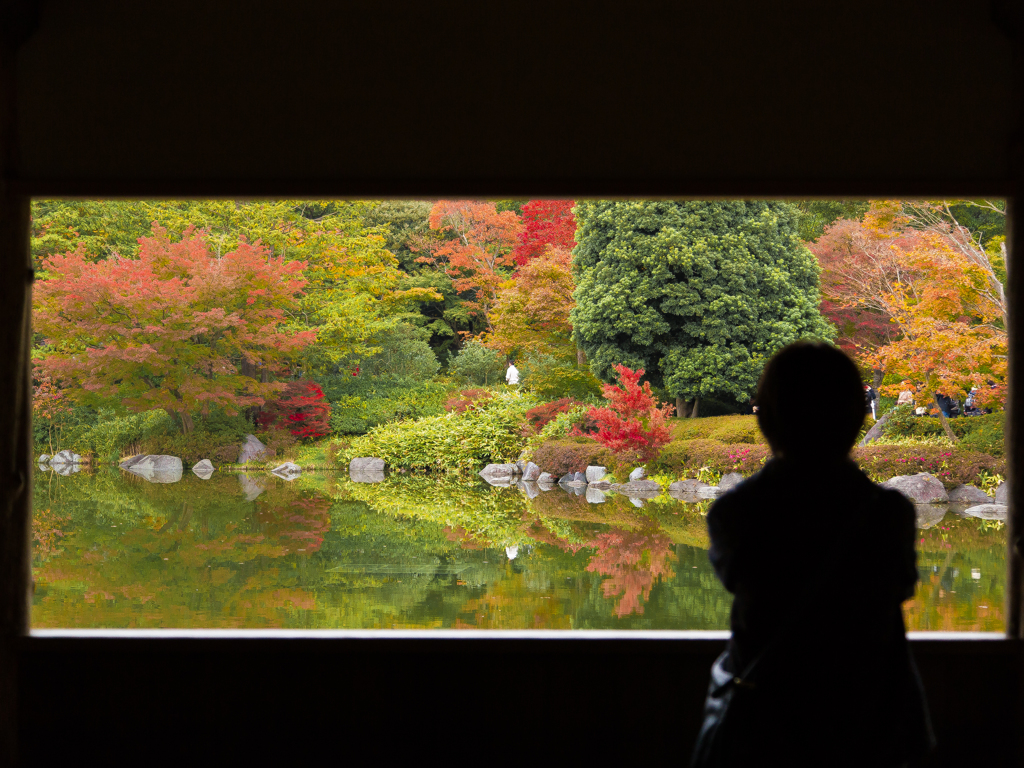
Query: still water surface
[(253, 551)]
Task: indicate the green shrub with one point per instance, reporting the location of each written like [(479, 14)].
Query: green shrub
[(453, 443), (979, 433), (217, 438), (357, 414), (111, 436), (476, 364), (987, 435), (552, 379)]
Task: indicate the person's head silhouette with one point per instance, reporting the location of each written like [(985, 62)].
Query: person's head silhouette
[(811, 402)]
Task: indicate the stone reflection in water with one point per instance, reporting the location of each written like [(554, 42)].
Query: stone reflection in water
[(113, 550)]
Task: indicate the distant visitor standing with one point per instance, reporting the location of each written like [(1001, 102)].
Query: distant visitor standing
[(512, 375), (906, 395), (870, 401)]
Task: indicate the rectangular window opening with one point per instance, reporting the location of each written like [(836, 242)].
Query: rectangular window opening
[(273, 414)]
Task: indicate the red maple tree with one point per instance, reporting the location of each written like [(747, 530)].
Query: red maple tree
[(545, 222), (171, 329), (635, 423), (302, 409)]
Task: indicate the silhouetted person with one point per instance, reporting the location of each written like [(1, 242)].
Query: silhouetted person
[(819, 559)]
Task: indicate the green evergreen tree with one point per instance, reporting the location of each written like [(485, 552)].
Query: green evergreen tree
[(700, 294)]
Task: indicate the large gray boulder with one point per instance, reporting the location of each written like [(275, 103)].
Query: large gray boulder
[(64, 457), (927, 515), (495, 471), (687, 490), (730, 480), (366, 464), (638, 489), (203, 469), (921, 488), (579, 477), (156, 468), (876, 430), (287, 471), (1002, 494), (532, 473), (594, 473), (251, 487), (988, 511), (565, 479), (969, 494), (637, 474), (252, 450), (131, 461), (546, 478)]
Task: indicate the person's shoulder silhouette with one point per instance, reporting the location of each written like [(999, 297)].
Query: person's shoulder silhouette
[(818, 559)]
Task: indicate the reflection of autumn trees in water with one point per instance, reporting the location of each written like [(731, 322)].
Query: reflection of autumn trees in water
[(633, 561), (115, 551)]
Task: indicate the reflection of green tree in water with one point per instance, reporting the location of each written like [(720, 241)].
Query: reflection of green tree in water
[(633, 561)]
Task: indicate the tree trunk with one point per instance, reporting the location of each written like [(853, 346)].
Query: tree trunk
[(681, 409), (183, 417), (876, 378), (580, 357), (694, 412), (945, 422)]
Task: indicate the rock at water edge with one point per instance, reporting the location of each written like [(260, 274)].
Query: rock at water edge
[(520, 467), (63, 457), (76, 459), (131, 461), (157, 468), (493, 471), (595, 473), (921, 488), (203, 469), (43, 458), (1003, 493), (988, 511), (969, 494), (252, 450), (730, 480), (366, 464), (546, 478), (637, 474), (565, 479), (600, 485), (532, 472), (579, 477), (287, 471), (65, 469), (594, 496)]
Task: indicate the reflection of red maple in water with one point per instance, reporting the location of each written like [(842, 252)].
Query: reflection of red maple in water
[(633, 561), (304, 521)]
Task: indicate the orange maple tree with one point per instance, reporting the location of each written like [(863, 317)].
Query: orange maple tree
[(477, 253)]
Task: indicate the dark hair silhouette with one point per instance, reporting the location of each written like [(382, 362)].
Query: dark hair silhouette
[(811, 402)]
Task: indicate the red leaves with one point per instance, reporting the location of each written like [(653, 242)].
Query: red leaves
[(633, 561), (546, 222), (634, 423), (302, 409)]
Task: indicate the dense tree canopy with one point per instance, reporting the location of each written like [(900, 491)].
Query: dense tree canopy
[(700, 294), (172, 328)]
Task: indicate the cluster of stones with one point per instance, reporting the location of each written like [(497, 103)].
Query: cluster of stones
[(62, 462), (932, 501)]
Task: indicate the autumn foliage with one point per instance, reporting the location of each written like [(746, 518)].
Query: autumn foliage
[(477, 251), (634, 422), (171, 329), (546, 223), (302, 409), (633, 561)]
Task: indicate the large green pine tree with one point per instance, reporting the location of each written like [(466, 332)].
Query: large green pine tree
[(700, 294)]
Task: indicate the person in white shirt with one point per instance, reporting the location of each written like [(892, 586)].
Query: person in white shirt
[(512, 375)]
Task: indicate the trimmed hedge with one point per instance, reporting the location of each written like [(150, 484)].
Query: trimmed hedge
[(573, 454), (689, 456), (726, 429)]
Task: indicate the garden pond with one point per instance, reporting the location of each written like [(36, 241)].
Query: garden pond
[(251, 550)]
